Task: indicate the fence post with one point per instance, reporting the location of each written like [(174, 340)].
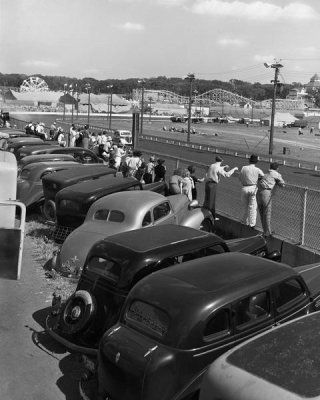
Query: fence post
[(177, 163), (304, 211)]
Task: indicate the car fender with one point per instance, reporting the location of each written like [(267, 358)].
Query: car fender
[(194, 217)]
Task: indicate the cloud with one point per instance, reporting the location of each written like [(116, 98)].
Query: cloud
[(256, 10), (131, 26), (262, 59), (39, 63), (232, 42), (171, 3)]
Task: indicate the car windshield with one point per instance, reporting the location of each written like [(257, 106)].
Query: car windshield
[(107, 268), (25, 173)]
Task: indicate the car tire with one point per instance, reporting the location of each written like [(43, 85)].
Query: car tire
[(78, 313), (49, 210), (206, 225)]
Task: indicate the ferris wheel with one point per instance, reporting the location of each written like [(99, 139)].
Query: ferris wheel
[(34, 84)]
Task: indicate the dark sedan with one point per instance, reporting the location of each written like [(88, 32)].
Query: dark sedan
[(115, 264), (177, 321)]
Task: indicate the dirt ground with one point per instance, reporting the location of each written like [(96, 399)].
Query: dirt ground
[(33, 366)]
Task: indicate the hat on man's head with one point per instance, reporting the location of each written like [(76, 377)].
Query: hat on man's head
[(253, 159), (219, 159), (152, 158), (274, 165)]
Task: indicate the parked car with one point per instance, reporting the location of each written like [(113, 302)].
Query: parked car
[(177, 321), (279, 364), (43, 158), (73, 202), (52, 184), (34, 150), (115, 264), (85, 156), (125, 211), (123, 137), (14, 144), (29, 183)]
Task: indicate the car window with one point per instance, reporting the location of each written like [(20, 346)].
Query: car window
[(148, 316), (147, 219), (252, 308), (287, 293), (107, 268), (87, 158), (116, 216), (25, 173), (161, 211), (77, 156), (101, 215), (218, 324)]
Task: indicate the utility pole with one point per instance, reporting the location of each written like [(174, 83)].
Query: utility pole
[(110, 105), (190, 78), (275, 82), (143, 82)]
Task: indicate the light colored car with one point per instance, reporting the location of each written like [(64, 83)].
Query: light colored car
[(125, 211), (29, 183)]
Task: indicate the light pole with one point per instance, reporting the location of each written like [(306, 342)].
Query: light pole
[(150, 99), (190, 78), (142, 81), (64, 100), (110, 110), (88, 89), (77, 95), (71, 94), (275, 82)]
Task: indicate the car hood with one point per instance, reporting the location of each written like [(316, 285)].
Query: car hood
[(75, 248)]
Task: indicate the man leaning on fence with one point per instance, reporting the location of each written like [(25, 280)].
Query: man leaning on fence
[(266, 190), (249, 176)]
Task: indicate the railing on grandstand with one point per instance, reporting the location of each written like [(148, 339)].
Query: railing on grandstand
[(294, 209)]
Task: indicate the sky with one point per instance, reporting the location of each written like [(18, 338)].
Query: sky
[(119, 39)]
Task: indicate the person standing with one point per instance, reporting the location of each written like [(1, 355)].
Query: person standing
[(266, 188), (85, 137), (192, 170), (187, 184), (249, 176), (214, 174), (175, 182), (160, 171), (72, 136), (149, 171)]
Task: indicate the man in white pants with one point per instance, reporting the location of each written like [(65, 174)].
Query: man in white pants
[(249, 176)]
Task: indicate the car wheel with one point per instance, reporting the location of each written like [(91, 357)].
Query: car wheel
[(78, 312), (206, 225), (49, 210)]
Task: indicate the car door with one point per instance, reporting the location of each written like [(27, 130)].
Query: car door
[(290, 300), (252, 315)]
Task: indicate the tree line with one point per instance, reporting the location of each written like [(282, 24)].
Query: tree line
[(256, 91)]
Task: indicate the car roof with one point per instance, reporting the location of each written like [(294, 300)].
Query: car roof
[(97, 185), (49, 164), (21, 139), (87, 171), (39, 146), (214, 280), (155, 237), (44, 157), (132, 201), (276, 356)]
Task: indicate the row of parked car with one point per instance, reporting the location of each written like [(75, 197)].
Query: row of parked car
[(159, 296)]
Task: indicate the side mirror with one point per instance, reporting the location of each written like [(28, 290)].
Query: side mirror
[(274, 255)]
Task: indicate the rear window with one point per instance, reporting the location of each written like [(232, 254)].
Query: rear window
[(148, 317), (107, 268), (287, 293), (109, 215)]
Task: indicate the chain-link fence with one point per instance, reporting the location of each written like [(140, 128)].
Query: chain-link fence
[(294, 209)]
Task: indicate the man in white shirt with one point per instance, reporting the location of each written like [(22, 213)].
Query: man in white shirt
[(249, 176), (214, 174), (266, 186)]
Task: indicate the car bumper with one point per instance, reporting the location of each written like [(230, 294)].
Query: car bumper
[(51, 323)]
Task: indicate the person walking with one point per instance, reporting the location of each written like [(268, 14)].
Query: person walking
[(72, 136), (266, 190), (249, 176), (214, 174), (149, 170)]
